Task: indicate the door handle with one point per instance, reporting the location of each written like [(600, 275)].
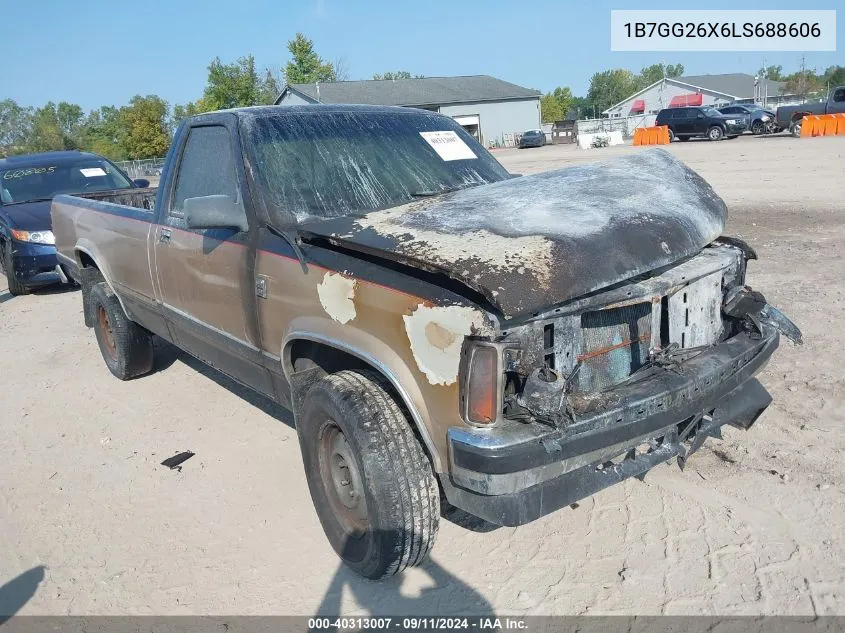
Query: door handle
[(164, 236)]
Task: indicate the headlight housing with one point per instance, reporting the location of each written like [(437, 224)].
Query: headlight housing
[(35, 237), (766, 117)]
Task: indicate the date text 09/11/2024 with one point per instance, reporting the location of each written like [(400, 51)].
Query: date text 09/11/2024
[(417, 623)]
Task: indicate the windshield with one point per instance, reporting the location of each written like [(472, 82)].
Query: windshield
[(711, 112), (329, 164), (42, 182)]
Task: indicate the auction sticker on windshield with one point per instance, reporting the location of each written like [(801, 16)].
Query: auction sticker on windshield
[(92, 172), (448, 145)]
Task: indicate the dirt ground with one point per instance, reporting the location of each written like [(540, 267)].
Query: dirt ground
[(754, 524)]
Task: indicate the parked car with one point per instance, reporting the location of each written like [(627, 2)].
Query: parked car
[(532, 138), (27, 185), (789, 117), (434, 323), (757, 119), (705, 122)]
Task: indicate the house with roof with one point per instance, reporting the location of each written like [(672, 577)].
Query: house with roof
[(488, 108), (696, 90)]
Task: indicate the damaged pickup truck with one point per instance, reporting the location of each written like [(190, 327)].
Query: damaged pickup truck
[(439, 327)]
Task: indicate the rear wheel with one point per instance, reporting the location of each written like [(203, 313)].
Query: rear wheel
[(372, 485), (15, 287), (795, 128), (126, 347), (672, 137), (715, 133)]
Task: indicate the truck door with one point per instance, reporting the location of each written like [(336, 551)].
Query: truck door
[(837, 101), (206, 276)]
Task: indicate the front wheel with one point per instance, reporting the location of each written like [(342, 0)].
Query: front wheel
[(757, 128), (126, 347), (371, 483), (715, 133), (15, 287)]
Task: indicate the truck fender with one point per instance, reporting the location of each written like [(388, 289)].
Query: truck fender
[(84, 246), (375, 353)]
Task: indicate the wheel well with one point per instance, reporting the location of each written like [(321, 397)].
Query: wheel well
[(798, 115), (302, 355), (86, 261)]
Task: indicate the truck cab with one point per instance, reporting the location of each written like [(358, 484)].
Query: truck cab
[(439, 328)]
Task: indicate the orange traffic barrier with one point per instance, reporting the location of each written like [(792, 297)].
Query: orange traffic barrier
[(840, 123), (822, 125), (658, 135)]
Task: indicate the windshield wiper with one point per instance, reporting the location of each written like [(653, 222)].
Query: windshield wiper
[(8, 204), (293, 240), (428, 194)]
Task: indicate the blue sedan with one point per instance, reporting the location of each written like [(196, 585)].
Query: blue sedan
[(27, 186)]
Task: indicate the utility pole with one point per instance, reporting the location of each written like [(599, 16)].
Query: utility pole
[(802, 82)]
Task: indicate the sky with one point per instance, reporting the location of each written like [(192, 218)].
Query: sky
[(103, 52)]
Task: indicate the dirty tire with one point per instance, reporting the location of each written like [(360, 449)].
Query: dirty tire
[(715, 133), (15, 287), (126, 347), (672, 137), (397, 524), (795, 128)]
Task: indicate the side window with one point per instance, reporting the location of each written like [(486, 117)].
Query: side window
[(839, 95), (207, 168), (680, 113)]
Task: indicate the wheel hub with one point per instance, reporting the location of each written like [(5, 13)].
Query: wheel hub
[(108, 333), (342, 480)]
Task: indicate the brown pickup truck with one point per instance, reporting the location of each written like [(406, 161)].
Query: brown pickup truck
[(440, 328)]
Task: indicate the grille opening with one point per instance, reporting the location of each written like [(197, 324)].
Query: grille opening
[(615, 343), (548, 336)]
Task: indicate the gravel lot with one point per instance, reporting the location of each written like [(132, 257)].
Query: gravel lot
[(752, 526)]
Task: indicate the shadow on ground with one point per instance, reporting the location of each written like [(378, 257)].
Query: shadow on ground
[(444, 595), (17, 592)]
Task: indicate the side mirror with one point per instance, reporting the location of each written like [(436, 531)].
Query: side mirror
[(143, 183), (214, 212)]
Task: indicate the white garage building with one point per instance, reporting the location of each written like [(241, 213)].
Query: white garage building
[(490, 109), (713, 90)]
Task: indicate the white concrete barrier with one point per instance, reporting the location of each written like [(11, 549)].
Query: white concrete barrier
[(585, 141)]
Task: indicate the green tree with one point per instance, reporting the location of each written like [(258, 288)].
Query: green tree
[(231, 85), (609, 87), (46, 133), (181, 112), (144, 123), (555, 105), (399, 74), (103, 133), (805, 83), (834, 76), (306, 66), (774, 73), (15, 127), (268, 88), (656, 72)]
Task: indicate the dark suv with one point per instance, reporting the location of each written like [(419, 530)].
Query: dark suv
[(687, 123)]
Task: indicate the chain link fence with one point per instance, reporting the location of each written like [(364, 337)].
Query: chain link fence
[(142, 168)]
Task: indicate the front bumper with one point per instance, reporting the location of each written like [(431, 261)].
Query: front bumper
[(737, 128), (36, 265), (515, 474)]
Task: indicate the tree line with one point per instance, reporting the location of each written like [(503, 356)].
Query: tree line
[(143, 127), (609, 87)]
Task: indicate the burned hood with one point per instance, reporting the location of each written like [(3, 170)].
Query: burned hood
[(532, 242)]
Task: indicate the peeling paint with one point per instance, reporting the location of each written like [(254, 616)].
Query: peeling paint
[(337, 294), (437, 334)]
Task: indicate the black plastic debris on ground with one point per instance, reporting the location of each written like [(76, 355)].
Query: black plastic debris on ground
[(175, 462)]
